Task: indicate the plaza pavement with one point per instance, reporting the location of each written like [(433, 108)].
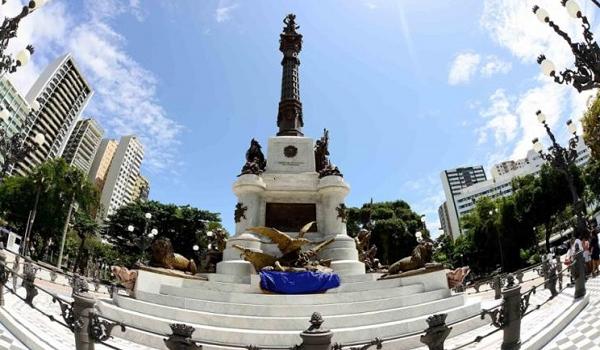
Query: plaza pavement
[(582, 333)]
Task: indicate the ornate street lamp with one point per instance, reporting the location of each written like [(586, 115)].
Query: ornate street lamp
[(587, 54), (8, 30), (562, 159)]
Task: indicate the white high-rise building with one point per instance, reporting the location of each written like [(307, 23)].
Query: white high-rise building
[(62, 94), (120, 184), (83, 144), (14, 110), (500, 185), (453, 182), (101, 163)]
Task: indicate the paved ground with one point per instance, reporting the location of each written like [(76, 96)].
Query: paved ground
[(584, 331)]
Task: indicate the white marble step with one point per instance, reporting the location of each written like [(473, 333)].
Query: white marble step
[(326, 298), (281, 338), (249, 308), (254, 287), (352, 319)]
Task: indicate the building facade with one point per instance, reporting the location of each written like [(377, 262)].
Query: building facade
[(500, 185), (83, 144), (101, 164), (141, 190), (17, 108), (123, 173), (453, 182), (62, 93)]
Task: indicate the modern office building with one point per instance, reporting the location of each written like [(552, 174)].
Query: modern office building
[(83, 144), (14, 110), (101, 164), (62, 94), (123, 173), (141, 190), (453, 181), (500, 185)]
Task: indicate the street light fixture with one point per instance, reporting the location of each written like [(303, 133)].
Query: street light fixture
[(562, 159), (8, 30), (587, 54)]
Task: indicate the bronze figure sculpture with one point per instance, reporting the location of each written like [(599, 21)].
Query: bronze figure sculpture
[(255, 160), (420, 257), (367, 253), (293, 257), (164, 256), (322, 163)]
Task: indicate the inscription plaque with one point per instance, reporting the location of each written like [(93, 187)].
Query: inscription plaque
[(290, 217)]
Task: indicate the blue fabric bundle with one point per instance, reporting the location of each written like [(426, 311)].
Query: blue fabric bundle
[(304, 282)]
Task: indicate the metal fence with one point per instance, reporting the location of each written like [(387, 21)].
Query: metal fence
[(89, 328)]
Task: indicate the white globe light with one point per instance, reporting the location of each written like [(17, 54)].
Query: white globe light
[(573, 8), (23, 57), (537, 145), (39, 139), (154, 231), (209, 246), (540, 116), (209, 234), (548, 67), (4, 114), (571, 126), (38, 4), (130, 228), (195, 247), (151, 235), (418, 234), (542, 15), (148, 216)]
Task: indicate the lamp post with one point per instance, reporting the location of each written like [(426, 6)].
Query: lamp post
[(562, 159), (8, 30), (587, 54), (491, 213)]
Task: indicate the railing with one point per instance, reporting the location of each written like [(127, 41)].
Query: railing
[(89, 327)]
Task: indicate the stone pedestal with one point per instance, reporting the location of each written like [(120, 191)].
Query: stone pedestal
[(290, 180)]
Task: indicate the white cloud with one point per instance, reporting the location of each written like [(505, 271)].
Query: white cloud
[(125, 100), (500, 119), (512, 24), (494, 65), (223, 11), (463, 68)]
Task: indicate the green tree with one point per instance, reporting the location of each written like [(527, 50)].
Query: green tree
[(393, 228), (85, 226), (591, 128), (591, 176), (184, 225)]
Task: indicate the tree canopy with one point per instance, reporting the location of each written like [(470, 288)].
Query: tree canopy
[(184, 225), (393, 228), (591, 128)]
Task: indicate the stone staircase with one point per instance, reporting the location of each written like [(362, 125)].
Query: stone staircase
[(241, 314)]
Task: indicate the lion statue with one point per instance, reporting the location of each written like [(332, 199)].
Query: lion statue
[(421, 256), (164, 256), (126, 277)]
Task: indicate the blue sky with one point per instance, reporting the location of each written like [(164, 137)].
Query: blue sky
[(407, 88)]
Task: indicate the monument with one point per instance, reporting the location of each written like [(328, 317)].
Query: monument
[(294, 185)]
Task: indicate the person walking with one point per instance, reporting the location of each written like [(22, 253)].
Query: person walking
[(595, 247)]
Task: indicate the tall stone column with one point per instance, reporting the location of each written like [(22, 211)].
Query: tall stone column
[(249, 190), (333, 191)]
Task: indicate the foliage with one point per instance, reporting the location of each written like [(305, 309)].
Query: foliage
[(393, 227), (184, 225), (57, 184), (591, 176), (591, 128)]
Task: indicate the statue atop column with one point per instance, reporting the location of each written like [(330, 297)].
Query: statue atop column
[(323, 165), (255, 160)]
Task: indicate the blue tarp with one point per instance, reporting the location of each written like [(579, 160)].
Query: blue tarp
[(304, 282)]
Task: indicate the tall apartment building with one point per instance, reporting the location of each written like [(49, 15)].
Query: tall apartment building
[(445, 219), (500, 185), (62, 93), (122, 175), (142, 189), (83, 144), (14, 110), (101, 164), (453, 182)]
